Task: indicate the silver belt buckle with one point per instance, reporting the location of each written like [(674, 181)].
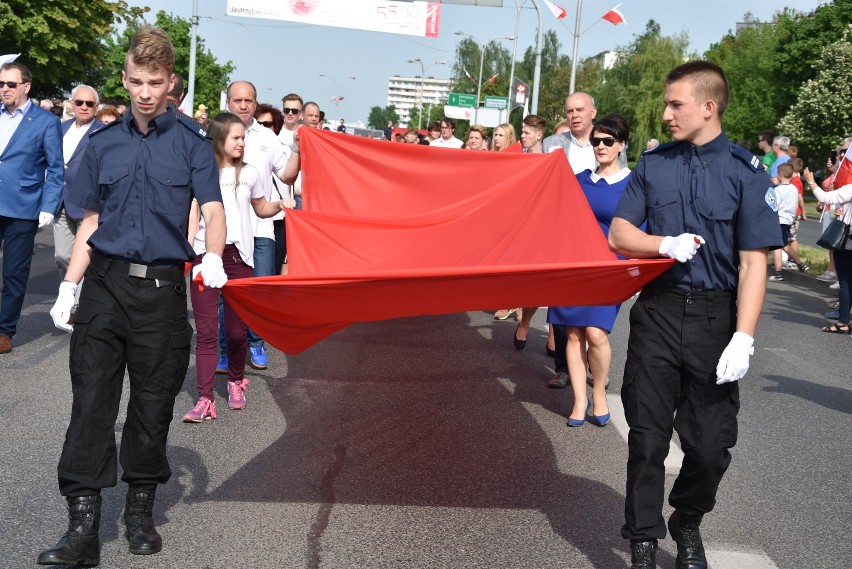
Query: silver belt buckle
[(140, 271)]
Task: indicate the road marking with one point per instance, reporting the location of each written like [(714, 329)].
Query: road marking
[(731, 559), (616, 412)]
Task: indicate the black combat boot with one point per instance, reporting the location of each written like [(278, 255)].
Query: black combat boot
[(139, 519), (690, 549), (643, 554), (80, 545)]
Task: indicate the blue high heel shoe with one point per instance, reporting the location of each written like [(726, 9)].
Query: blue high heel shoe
[(579, 422), (596, 420)]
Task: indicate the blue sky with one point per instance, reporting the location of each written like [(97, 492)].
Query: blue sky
[(283, 57)]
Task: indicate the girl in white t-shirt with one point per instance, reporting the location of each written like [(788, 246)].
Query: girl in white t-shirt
[(240, 191)]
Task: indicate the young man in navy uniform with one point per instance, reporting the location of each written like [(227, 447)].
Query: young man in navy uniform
[(707, 205), (135, 185)]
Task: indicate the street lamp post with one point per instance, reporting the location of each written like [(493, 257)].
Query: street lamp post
[(482, 48), (337, 90), (423, 69)]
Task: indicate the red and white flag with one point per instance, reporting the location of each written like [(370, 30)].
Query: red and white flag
[(557, 12), (468, 75), (844, 172), (493, 78), (615, 17)]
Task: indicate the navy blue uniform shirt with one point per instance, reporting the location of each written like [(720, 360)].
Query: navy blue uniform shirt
[(142, 187), (719, 191)]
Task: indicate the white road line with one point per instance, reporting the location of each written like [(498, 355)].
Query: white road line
[(616, 412), (733, 559)]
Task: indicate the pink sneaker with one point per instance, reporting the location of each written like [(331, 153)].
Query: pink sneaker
[(236, 394), (204, 409)]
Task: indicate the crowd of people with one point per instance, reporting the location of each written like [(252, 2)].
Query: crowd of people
[(133, 196)]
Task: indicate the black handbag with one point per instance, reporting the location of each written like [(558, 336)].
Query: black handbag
[(835, 235)]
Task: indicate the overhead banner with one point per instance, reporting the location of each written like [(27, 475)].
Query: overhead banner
[(409, 18)]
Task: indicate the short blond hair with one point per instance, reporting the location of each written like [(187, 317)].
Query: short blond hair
[(151, 47)]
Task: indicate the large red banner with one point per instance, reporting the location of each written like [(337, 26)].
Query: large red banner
[(393, 230)]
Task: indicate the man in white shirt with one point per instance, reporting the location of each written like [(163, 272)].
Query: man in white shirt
[(292, 105), (580, 113), (75, 138), (447, 138), (271, 157)]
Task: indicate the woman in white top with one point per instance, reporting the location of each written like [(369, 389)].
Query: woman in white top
[(240, 191), (840, 201)]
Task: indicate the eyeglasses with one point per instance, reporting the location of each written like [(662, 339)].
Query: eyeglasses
[(608, 141), (267, 124), (291, 111), (446, 127), (79, 103), (11, 84)]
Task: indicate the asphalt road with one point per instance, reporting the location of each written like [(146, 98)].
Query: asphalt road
[(430, 443)]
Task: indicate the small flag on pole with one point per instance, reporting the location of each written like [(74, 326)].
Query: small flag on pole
[(615, 17), (468, 75), (557, 12), (844, 172), (493, 78)]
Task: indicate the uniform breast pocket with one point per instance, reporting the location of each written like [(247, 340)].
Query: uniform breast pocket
[(663, 211), (168, 192), (30, 186), (112, 184), (716, 218)]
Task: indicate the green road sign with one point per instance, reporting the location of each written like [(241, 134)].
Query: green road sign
[(497, 103), (462, 100)]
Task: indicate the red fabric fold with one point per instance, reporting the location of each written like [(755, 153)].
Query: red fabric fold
[(392, 230)]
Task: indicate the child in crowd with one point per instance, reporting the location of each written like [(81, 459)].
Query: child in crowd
[(788, 199), (240, 190)]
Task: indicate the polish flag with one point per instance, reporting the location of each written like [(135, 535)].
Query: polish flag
[(615, 17), (844, 172), (493, 79), (469, 76), (557, 12)]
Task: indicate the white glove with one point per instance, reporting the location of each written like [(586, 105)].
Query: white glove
[(681, 248), (212, 271), (44, 218), (65, 300), (733, 364)]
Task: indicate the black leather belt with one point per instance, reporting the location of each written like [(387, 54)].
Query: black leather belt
[(102, 263)]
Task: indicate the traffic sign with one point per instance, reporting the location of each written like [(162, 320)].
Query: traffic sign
[(462, 100), (497, 103)]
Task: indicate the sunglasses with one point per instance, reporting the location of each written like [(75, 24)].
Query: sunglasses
[(79, 103), (291, 111), (11, 84), (267, 124), (608, 141)]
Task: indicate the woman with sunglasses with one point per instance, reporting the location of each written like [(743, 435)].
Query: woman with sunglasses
[(589, 326)]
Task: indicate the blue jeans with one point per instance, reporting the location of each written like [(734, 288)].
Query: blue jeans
[(264, 266), (298, 200), (17, 238)]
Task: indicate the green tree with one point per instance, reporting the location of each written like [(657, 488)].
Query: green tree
[(635, 84), (432, 112), (379, 117), (211, 77), (801, 40), (61, 40), (822, 115), (751, 80)]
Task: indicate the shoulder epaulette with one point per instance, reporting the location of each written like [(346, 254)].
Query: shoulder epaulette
[(102, 128), (660, 147), (190, 123), (753, 161)]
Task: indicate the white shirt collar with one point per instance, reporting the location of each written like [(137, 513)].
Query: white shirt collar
[(612, 178)]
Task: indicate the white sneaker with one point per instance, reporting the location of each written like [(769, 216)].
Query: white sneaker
[(827, 276), (835, 286)]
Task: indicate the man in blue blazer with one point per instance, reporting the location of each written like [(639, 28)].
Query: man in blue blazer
[(31, 174), (75, 138)]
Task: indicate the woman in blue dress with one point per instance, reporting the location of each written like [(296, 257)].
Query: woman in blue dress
[(590, 325)]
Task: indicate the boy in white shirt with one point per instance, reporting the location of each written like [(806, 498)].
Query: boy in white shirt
[(788, 199)]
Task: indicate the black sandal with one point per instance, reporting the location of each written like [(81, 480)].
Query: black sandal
[(839, 328)]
